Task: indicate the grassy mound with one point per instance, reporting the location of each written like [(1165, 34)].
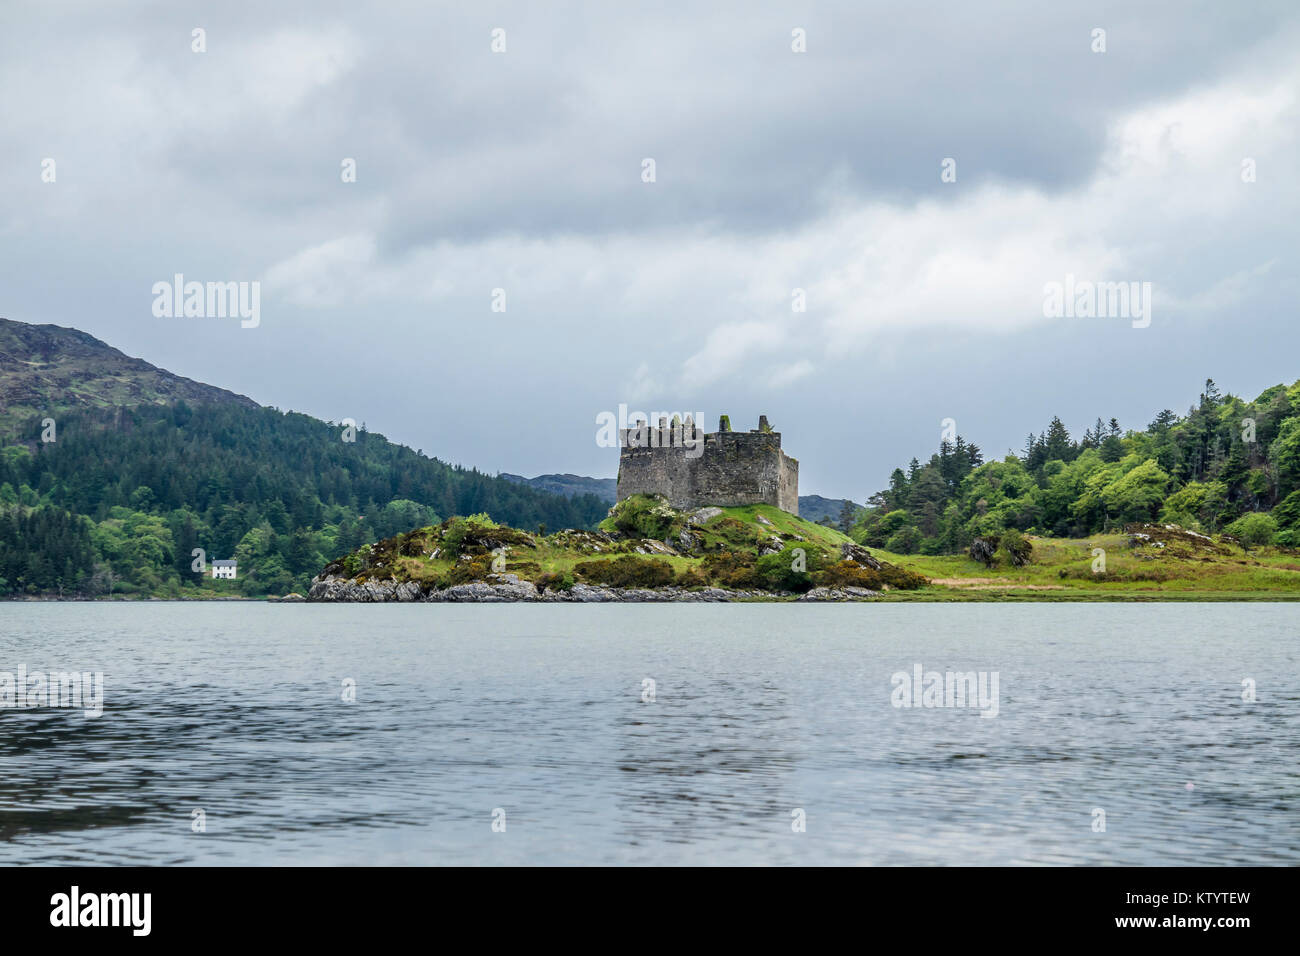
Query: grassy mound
[(643, 543)]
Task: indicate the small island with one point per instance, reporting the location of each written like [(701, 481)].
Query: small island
[(645, 551)]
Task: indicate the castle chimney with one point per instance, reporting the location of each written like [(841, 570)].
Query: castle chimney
[(763, 426)]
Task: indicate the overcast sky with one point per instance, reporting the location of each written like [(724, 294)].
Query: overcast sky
[(774, 170)]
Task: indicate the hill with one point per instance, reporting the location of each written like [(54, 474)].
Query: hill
[(48, 369), (570, 485), (818, 509), (147, 466)]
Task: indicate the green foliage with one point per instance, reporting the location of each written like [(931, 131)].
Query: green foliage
[(1253, 530), (1008, 549), (790, 569), (732, 569), (461, 550), (691, 578), (1287, 514), (1226, 458), (849, 574), (730, 534), (1285, 453), (626, 571), (906, 541), (556, 580), (457, 530), (1197, 505), (1013, 548), (281, 493), (47, 549), (463, 572), (645, 516)]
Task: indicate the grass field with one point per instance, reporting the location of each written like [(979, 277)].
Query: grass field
[(1062, 570)]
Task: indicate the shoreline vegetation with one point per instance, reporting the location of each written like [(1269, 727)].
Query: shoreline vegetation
[(1145, 563), (648, 552)]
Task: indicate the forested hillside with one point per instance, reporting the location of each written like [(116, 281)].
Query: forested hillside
[(122, 496), (1227, 465)]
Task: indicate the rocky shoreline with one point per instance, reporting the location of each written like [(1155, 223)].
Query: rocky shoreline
[(506, 588)]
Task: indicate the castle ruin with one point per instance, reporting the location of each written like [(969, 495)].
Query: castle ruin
[(695, 470)]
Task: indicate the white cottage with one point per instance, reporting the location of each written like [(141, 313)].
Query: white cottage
[(223, 569)]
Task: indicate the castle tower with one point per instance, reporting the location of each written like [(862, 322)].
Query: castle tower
[(694, 470)]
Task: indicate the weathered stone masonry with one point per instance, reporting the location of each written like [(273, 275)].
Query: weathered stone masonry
[(736, 468)]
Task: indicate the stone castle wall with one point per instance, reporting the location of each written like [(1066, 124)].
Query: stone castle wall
[(736, 468)]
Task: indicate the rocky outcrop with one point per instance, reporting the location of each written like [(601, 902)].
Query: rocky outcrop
[(984, 550), (838, 594), (859, 555), (334, 588), (505, 588), (689, 541), (587, 542), (1173, 536), (593, 594), (703, 515), (651, 546)]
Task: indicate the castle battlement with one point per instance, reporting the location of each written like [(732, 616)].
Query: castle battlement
[(693, 469)]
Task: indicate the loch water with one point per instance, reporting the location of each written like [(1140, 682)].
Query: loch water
[(654, 734)]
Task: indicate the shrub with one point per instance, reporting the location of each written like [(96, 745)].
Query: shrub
[(645, 516), (465, 572), (849, 574), (456, 530), (556, 581), (1009, 547), (627, 571), (1015, 548), (411, 544), (730, 570), (788, 571), (692, 577), (900, 579), (1253, 530)]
